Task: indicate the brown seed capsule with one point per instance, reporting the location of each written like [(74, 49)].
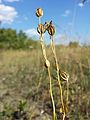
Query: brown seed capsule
[(51, 30), (39, 12), (40, 29), (63, 75)]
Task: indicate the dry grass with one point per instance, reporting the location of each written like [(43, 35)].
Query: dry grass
[(23, 77)]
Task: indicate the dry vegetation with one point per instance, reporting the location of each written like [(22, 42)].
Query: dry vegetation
[(23, 77)]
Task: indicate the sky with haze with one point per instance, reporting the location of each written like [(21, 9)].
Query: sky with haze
[(71, 19)]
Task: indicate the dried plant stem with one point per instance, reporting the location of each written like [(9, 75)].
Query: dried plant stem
[(67, 94), (59, 81), (49, 74), (54, 112), (39, 20)]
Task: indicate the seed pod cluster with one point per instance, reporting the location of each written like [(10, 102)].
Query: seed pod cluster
[(61, 75), (39, 12)]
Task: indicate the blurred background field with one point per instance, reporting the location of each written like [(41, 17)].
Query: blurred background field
[(24, 77)]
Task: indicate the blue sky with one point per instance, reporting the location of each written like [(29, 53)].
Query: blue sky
[(71, 20)]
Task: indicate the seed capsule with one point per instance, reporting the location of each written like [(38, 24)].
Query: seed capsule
[(51, 29), (40, 29), (63, 75), (39, 12)]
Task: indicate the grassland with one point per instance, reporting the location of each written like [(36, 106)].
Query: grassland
[(24, 77)]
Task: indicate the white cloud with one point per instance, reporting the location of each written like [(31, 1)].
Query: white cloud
[(80, 4), (31, 32), (11, 0), (66, 13), (7, 13)]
